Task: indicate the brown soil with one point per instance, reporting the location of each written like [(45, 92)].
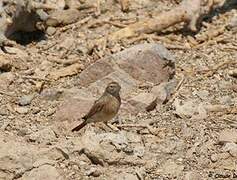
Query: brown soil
[(184, 143)]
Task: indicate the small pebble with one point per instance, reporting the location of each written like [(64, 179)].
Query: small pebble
[(35, 110), (93, 171), (51, 30), (214, 157), (3, 111), (51, 94), (50, 112), (226, 100), (233, 22), (22, 132), (22, 110), (26, 100)]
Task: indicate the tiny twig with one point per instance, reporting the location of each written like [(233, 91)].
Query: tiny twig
[(175, 94), (48, 47), (5, 93), (103, 22), (37, 5), (210, 42), (171, 46), (230, 47), (65, 54), (64, 62), (5, 124), (79, 23), (120, 25), (136, 126), (36, 78), (210, 72), (132, 125), (140, 177), (152, 37)]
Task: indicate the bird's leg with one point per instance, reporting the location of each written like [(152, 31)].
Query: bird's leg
[(116, 120)]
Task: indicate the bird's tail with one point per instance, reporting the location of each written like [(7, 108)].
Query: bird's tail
[(80, 126)]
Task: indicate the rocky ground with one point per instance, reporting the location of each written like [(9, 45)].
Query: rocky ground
[(180, 126)]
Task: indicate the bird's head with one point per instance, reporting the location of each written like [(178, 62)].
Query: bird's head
[(113, 88)]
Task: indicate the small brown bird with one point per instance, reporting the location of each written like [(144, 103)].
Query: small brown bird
[(105, 108)]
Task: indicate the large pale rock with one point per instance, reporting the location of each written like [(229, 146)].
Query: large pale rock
[(164, 90), (15, 158), (18, 158), (118, 140), (93, 147), (75, 109), (42, 172), (160, 92), (228, 136), (127, 83), (105, 148), (141, 63), (147, 62), (55, 153), (45, 135), (171, 168), (185, 109), (144, 101), (144, 63), (190, 109), (127, 109), (231, 148), (77, 103), (6, 79)]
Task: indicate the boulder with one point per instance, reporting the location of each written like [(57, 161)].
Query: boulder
[(141, 63), (144, 101), (43, 172)]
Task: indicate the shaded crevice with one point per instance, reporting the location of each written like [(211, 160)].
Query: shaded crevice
[(24, 38), (21, 24)]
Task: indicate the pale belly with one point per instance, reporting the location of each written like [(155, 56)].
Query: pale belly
[(107, 113), (101, 117)]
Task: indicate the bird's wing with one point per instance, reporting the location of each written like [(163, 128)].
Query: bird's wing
[(98, 105)]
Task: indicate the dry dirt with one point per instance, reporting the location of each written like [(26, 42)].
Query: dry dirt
[(190, 128)]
